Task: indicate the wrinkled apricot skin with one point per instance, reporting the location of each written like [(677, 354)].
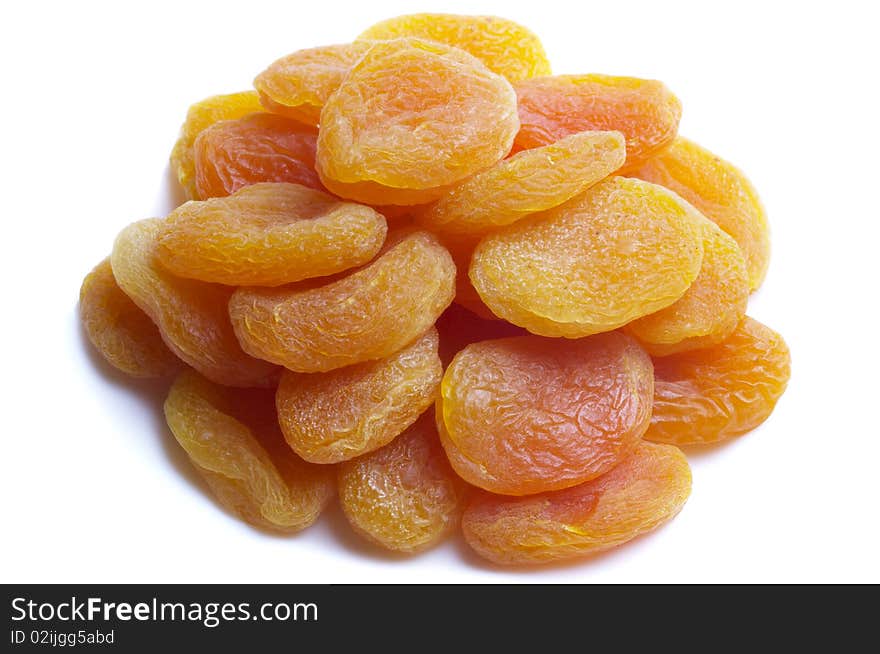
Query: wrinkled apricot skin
[(620, 251), (260, 147), (527, 414), (298, 85), (369, 314), (251, 472), (191, 315), (404, 496), (716, 393), (200, 116), (645, 111), (122, 333), (267, 235), (648, 488), (709, 310), (721, 192), (458, 327), (505, 47), (528, 182), (410, 119), (337, 415)]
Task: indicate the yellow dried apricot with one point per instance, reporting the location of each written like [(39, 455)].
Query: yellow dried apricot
[(267, 235), (719, 392), (369, 314), (721, 192), (506, 48), (404, 496), (122, 333), (251, 470), (337, 415), (525, 415), (645, 111), (298, 85), (648, 488), (191, 315), (528, 182), (620, 251), (200, 116), (412, 118)]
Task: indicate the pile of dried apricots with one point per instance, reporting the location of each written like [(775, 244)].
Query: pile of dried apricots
[(422, 274)]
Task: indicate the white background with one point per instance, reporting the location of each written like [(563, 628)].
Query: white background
[(94, 488)]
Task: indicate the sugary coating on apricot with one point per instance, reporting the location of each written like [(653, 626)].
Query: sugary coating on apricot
[(411, 118), (459, 327), (337, 415), (269, 234), (369, 314), (251, 471), (719, 392), (260, 147), (721, 192), (527, 414), (506, 48), (191, 315), (200, 116), (620, 251), (648, 488), (298, 85), (528, 182), (645, 111), (122, 333), (709, 310), (404, 496)]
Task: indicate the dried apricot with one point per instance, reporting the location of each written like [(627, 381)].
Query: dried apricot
[(258, 148), (404, 496), (334, 416), (298, 85), (648, 488), (645, 111), (528, 182), (251, 471), (459, 327), (528, 414), (269, 234), (200, 116), (412, 118), (721, 192), (506, 48), (622, 250), (191, 315), (122, 333), (721, 391), (709, 310), (369, 314)]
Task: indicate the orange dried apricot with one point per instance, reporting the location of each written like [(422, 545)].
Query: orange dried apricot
[(122, 333), (191, 315), (260, 147), (404, 496), (709, 310), (648, 488), (645, 111), (459, 327), (527, 414), (251, 470), (721, 192), (200, 116), (337, 415), (369, 314), (269, 234), (506, 48), (412, 118), (528, 182), (620, 251), (298, 85), (719, 392)]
